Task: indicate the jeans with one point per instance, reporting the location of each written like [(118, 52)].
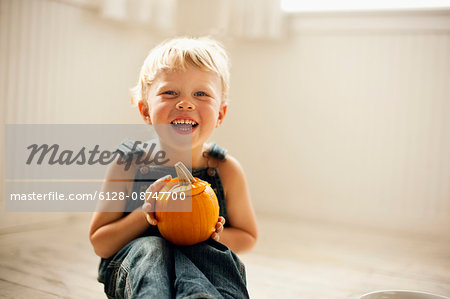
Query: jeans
[(151, 267)]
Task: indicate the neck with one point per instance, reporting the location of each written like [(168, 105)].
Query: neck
[(198, 161)]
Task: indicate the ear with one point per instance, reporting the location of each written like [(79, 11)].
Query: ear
[(144, 110), (222, 113)]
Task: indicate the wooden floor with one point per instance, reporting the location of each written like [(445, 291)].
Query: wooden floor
[(292, 260)]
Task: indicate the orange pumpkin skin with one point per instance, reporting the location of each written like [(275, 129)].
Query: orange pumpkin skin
[(188, 228)]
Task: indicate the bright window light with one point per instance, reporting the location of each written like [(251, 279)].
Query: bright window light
[(361, 5)]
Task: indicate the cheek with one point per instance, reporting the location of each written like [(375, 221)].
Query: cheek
[(158, 108), (213, 110), (211, 114)]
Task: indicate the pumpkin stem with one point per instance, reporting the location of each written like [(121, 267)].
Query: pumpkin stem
[(184, 174)]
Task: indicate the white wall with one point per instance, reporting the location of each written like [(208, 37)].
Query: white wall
[(63, 64), (349, 118), (344, 119)]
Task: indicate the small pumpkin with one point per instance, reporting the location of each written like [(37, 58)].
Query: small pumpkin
[(187, 228)]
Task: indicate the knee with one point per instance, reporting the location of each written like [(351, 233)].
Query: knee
[(150, 246), (152, 242)]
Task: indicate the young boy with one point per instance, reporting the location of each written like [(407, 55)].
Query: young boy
[(183, 84)]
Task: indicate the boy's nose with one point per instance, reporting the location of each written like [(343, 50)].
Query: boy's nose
[(185, 105)]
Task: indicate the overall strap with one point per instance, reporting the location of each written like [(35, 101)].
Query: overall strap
[(130, 149), (217, 152)]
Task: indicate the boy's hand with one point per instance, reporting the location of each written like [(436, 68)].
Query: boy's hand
[(149, 206), (219, 228)]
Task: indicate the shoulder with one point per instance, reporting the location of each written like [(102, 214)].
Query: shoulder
[(230, 166), (227, 165), (231, 174)]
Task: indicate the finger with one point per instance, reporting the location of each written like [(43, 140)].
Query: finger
[(219, 227), (215, 236), (159, 183), (149, 215), (222, 220), (150, 201), (151, 219), (147, 207)]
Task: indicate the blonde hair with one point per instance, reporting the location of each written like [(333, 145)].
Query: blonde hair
[(178, 53)]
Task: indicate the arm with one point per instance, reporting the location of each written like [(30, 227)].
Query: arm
[(243, 233), (109, 231)]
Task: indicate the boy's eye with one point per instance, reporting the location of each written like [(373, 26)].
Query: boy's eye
[(169, 92), (200, 94)]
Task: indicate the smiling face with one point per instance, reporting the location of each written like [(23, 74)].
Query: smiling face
[(190, 100)]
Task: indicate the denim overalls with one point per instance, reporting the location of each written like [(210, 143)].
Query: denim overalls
[(151, 267)]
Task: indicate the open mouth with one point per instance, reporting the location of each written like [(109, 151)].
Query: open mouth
[(185, 126)]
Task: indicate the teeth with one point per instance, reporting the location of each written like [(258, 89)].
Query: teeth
[(184, 121)]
